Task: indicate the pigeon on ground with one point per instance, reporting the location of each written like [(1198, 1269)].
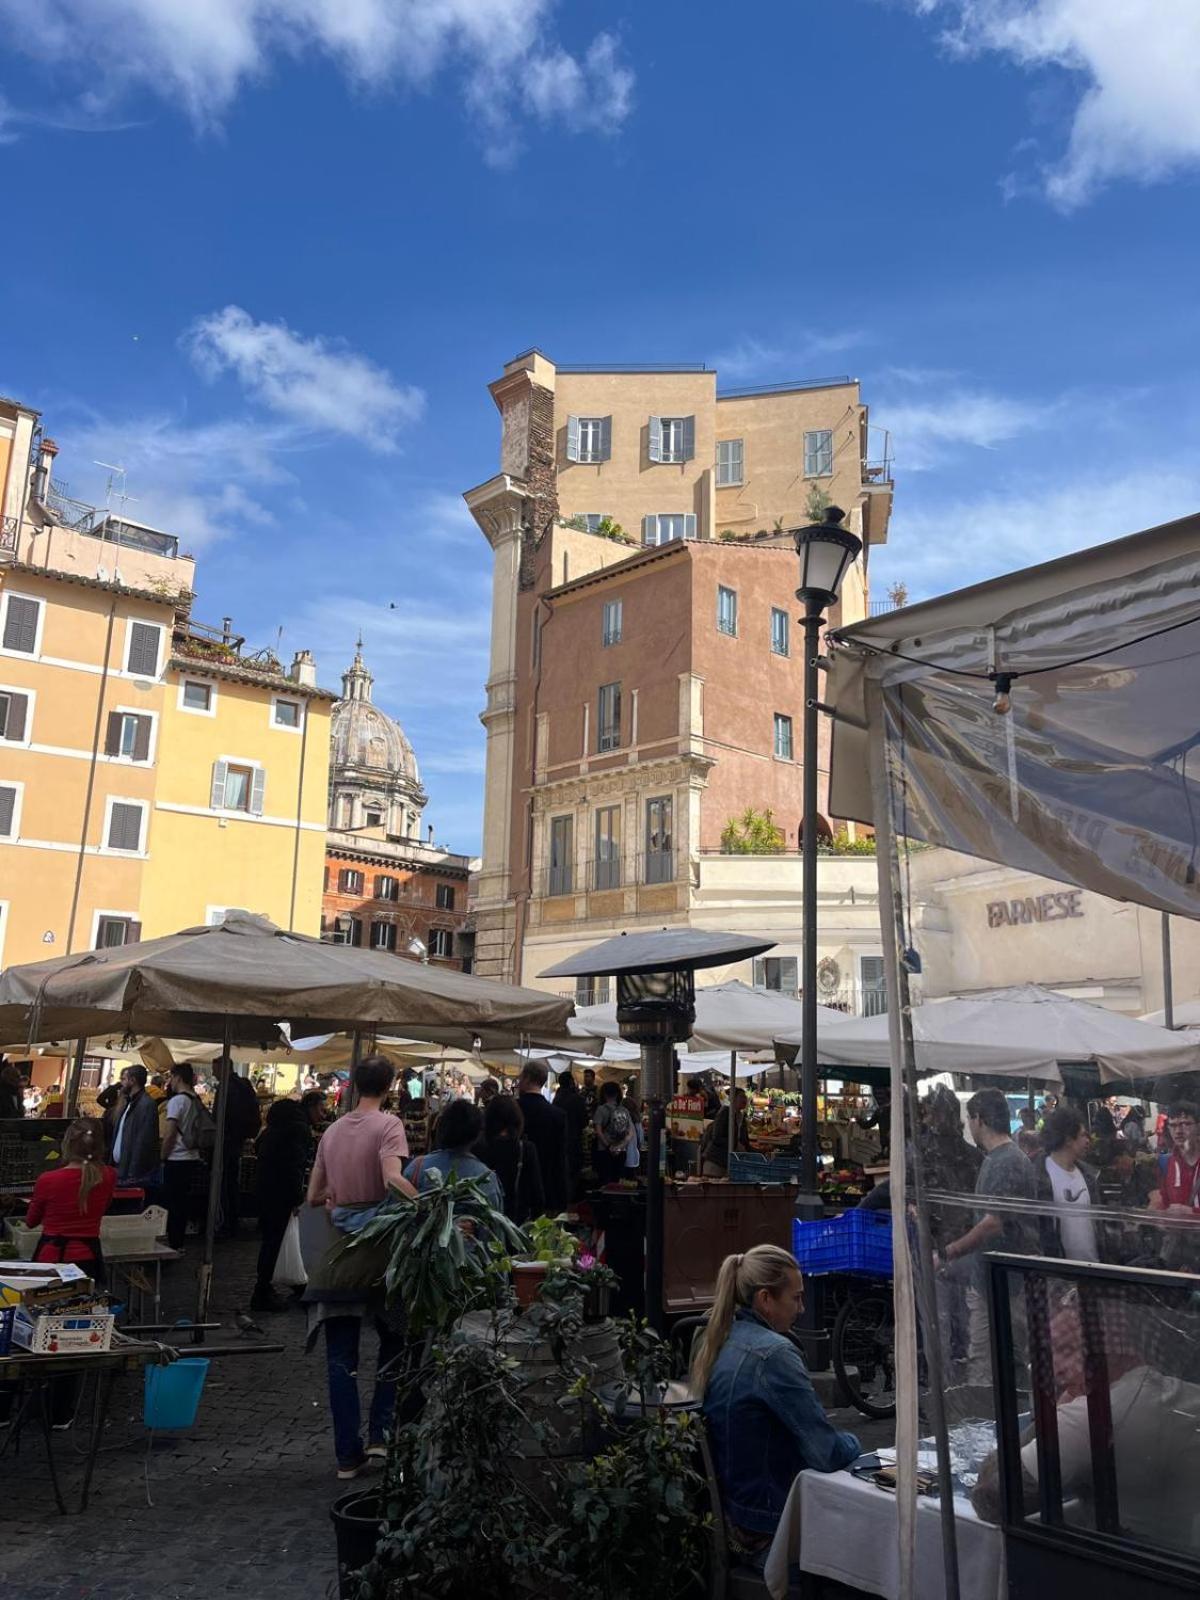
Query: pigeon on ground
[(247, 1325)]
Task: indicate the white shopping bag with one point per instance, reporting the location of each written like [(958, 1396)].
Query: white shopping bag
[(289, 1264)]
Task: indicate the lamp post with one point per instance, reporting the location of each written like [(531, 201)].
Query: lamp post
[(826, 551), (656, 1008)]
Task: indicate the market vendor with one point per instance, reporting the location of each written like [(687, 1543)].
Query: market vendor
[(763, 1417), (714, 1147), (69, 1202)]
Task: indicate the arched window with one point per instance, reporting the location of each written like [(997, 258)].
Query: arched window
[(824, 831)]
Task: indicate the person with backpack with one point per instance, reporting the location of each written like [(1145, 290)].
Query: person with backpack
[(190, 1134), (614, 1132)]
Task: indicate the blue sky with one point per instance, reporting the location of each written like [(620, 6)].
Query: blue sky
[(270, 252)]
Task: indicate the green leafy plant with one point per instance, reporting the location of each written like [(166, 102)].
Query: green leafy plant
[(727, 535), (429, 1262), (817, 504), (843, 845), (550, 1241), (754, 833)]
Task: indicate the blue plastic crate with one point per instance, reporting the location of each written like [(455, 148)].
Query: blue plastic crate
[(8, 1315), (857, 1242)]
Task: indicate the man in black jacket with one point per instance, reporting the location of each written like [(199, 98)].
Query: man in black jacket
[(12, 1090), (136, 1150), (571, 1104), (546, 1130)]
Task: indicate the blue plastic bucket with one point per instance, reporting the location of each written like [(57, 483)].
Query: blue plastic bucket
[(173, 1393)]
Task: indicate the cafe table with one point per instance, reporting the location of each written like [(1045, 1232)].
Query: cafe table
[(839, 1526)]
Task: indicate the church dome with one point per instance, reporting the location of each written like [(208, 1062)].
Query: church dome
[(372, 768)]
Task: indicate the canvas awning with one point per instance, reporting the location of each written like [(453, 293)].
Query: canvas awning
[(729, 1016), (1093, 777), (1023, 1032), (186, 984)]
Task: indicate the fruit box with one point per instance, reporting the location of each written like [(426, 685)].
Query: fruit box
[(46, 1334)]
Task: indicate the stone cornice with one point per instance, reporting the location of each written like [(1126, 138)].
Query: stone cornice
[(667, 773)]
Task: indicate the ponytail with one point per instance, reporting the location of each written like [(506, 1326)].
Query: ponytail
[(766, 1266), (84, 1142)]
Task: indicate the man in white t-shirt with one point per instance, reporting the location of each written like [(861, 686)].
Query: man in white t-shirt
[(1063, 1181), (184, 1172)]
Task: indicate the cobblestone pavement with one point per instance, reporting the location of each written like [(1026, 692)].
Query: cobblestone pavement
[(240, 1502), (237, 1505)]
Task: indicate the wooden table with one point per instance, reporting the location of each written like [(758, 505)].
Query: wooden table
[(34, 1376)]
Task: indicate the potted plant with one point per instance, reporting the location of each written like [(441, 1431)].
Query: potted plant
[(552, 1245)]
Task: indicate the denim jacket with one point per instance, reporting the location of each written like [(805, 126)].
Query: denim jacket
[(765, 1423)]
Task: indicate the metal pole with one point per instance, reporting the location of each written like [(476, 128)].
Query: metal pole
[(74, 1077), (658, 1061), (224, 1071), (891, 917), (1168, 978), (809, 1193), (732, 1106)]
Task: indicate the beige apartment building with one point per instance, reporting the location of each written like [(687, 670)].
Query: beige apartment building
[(645, 683)]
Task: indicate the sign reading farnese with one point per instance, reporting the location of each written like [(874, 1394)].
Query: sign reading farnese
[(1055, 907)]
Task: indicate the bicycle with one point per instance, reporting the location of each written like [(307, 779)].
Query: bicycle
[(863, 1347)]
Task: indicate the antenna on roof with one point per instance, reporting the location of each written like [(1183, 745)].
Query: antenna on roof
[(123, 497)]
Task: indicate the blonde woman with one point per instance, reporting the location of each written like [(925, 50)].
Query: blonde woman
[(764, 1420)]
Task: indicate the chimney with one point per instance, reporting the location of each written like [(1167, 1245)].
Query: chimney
[(226, 630), (304, 669), (430, 833), (41, 473)]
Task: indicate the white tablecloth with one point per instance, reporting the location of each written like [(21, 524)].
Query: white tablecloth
[(845, 1528)]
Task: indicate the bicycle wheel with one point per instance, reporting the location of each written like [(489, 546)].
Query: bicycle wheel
[(864, 1351)]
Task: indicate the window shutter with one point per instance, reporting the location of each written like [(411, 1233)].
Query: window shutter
[(649, 530), (220, 773), (572, 438), (141, 740), (18, 710), (689, 438), (20, 624), (124, 827), (606, 438), (143, 649), (258, 790), (689, 525), (656, 438), (8, 810), (133, 932), (112, 738)]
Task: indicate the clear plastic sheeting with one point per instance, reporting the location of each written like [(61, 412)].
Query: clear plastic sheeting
[(1092, 776)]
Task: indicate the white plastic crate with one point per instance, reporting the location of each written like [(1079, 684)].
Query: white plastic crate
[(25, 1239), (122, 1234), (45, 1334)]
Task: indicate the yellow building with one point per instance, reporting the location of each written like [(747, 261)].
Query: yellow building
[(151, 776)]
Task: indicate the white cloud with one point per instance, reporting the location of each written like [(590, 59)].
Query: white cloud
[(200, 54), (315, 382), (1139, 113), (925, 430), (785, 358), (939, 547)]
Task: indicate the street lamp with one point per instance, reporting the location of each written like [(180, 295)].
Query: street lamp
[(656, 1009), (826, 551)]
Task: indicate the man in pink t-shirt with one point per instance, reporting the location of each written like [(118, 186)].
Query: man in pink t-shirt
[(362, 1154), (358, 1160)]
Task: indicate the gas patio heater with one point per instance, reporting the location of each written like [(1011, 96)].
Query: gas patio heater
[(656, 1009)]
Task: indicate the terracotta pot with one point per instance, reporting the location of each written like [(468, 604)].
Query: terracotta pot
[(528, 1277)]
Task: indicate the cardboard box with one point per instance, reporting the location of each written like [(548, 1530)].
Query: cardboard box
[(43, 1285)]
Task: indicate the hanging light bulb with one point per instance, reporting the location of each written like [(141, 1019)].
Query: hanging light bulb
[(1003, 682)]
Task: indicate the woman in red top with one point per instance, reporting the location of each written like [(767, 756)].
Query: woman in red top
[(70, 1201)]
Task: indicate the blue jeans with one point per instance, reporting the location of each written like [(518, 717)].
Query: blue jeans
[(341, 1353)]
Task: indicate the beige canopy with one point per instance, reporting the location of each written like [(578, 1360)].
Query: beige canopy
[(187, 984)]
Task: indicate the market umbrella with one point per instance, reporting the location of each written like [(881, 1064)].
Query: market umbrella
[(1021, 1032), (729, 1016), (245, 969), (238, 980), (1185, 1016)]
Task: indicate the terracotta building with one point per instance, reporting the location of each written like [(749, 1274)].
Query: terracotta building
[(385, 887), (645, 679)]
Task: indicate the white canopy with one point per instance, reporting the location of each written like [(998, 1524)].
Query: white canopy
[(729, 1016), (1025, 1032), (1185, 1016)]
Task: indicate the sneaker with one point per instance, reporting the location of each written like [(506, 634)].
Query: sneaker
[(377, 1452), (354, 1471)]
